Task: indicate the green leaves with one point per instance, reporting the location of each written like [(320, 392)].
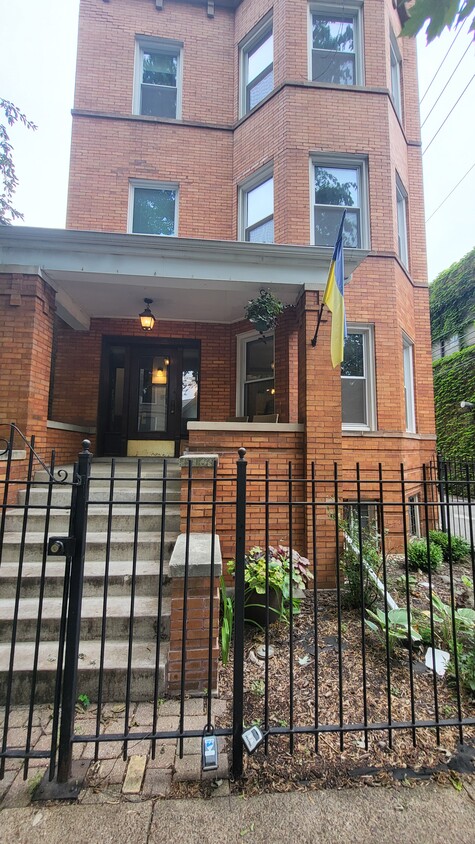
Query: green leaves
[(8, 214), (440, 14)]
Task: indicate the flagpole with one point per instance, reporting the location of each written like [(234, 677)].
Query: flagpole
[(314, 338)]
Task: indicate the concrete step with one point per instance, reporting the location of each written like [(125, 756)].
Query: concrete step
[(126, 470), (119, 579), (114, 676), (101, 493), (117, 612), (123, 518), (121, 546)]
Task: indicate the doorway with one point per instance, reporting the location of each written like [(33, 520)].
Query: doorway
[(148, 394)]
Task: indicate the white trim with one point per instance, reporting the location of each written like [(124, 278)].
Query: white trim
[(413, 501), (241, 342), (408, 383), (340, 9), (150, 185), (249, 427), (370, 377), (341, 160), (165, 45), (266, 25)]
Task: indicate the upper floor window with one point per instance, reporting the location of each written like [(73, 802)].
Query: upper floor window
[(358, 400), (336, 44), (396, 75), (158, 78), (257, 66), (340, 185), (257, 209), (401, 202), (153, 208)]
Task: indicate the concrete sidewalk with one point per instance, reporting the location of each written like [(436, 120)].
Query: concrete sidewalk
[(424, 814)]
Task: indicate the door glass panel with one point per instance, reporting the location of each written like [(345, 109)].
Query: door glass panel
[(259, 384), (116, 392), (153, 394), (190, 385)]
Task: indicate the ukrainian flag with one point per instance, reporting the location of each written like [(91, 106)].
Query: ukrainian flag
[(333, 298)]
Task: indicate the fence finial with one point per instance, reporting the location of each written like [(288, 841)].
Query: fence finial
[(242, 453)]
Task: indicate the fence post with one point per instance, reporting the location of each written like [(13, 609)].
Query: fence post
[(238, 676), (73, 629)]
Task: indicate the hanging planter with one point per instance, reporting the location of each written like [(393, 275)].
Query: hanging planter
[(263, 311)]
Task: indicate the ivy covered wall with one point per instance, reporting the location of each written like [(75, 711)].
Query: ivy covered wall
[(452, 298)]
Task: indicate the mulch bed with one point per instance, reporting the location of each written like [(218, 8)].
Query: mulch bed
[(326, 764)]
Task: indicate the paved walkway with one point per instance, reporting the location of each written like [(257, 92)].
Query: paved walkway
[(424, 814)]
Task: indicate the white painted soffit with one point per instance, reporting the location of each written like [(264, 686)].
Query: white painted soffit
[(98, 274)]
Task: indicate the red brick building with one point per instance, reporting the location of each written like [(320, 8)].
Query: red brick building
[(215, 144)]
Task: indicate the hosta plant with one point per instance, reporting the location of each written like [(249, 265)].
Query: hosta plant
[(394, 627)]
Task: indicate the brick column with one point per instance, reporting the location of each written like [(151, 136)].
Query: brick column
[(320, 412), (26, 337), (200, 467), (191, 595)]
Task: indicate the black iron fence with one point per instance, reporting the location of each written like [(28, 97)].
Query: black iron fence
[(352, 597)]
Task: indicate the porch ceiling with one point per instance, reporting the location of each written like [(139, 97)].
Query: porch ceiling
[(97, 274)]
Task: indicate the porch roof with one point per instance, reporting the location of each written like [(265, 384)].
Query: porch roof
[(98, 274)]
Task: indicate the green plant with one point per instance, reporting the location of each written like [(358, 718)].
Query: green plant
[(34, 782), (418, 555), (275, 570), (258, 688), (359, 578), (83, 702), (395, 628), (457, 548), (264, 310), (227, 614)]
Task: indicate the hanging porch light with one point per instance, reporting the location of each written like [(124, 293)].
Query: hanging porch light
[(147, 319)]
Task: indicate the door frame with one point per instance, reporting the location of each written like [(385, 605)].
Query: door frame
[(133, 347)]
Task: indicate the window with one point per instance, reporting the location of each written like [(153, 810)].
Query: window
[(158, 78), (339, 186), (414, 515), (407, 350), (335, 44), (153, 209), (357, 380), (396, 75), (255, 382), (257, 66), (401, 201), (257, 209)]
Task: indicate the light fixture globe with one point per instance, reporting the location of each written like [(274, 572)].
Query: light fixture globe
[(147, 319)]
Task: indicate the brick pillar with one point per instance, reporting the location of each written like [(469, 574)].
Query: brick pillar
[(26, 337), (201, 497), (320, 412), (195, 601)]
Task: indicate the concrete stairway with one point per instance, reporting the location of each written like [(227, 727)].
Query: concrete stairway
[(129, 508)]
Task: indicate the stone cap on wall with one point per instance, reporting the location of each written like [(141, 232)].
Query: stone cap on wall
[(199, 556)]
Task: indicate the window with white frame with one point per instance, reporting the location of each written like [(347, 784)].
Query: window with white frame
[(414, 515), (257, 208), (257, 66), (358, 400), (255, 377), (153, 208), (396, 75), (340, 185), (336, 55), (408, 362), (401, 208), (158, 78)]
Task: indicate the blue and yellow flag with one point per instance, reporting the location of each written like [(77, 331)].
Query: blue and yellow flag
[(334, 299)]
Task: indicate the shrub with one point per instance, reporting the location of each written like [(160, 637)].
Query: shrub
[(359, 582), (458, 548), (418, 556)]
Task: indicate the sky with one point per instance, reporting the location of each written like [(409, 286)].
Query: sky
[(37, 66)]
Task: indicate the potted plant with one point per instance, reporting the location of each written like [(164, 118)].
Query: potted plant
[(264, 310), (279, 571)]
